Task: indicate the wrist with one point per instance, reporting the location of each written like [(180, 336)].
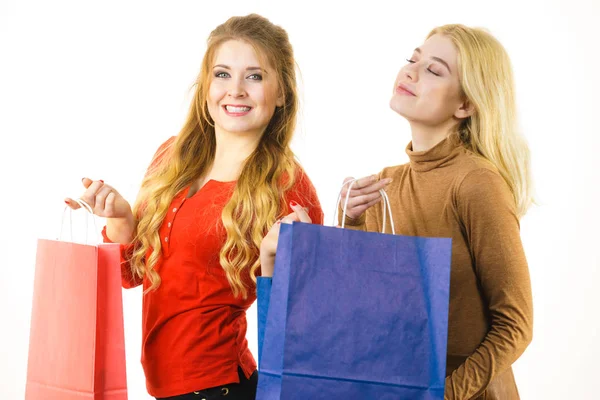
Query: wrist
[(120, 230), (267, 265)]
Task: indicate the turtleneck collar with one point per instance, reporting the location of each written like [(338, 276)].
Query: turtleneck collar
[(441, 153)]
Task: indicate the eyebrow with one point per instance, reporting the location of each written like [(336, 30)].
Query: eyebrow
[(441, 61), (247, 69)]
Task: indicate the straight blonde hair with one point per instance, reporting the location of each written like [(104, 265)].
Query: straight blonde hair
[(486, 79)]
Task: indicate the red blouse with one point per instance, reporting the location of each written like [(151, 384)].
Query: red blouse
[(194, 329)]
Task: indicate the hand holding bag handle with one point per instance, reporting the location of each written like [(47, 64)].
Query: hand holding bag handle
[(387, 209), (87, 207)]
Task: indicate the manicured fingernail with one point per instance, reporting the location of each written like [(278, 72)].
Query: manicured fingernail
[(389, 180), (101, 181), (293, 204), (67, 203)]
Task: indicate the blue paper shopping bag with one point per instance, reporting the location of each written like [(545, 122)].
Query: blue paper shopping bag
[(356, 315)]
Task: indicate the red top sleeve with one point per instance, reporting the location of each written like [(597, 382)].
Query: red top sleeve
[(128, 278), (304, 193)]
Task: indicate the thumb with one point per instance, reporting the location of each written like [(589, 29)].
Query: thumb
[(86, 182)]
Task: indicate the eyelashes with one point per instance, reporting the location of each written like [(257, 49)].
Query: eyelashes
[(224, 75), (428, 68)]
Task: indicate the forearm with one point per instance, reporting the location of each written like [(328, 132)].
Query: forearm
[(486, 208), (501, 348)]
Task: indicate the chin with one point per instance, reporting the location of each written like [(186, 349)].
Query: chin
[(239, 129), (242, 128), (398, 107)]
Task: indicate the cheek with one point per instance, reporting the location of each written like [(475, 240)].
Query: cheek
[(439, 95), (215, 94), (266, 95), (259, 93)]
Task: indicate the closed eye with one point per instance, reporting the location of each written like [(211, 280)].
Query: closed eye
[(428, 69), (436, 74)]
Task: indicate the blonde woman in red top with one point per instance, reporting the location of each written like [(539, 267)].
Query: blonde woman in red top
[(192, 238)]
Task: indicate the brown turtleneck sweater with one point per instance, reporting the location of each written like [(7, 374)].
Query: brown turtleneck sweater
[(448, 191)]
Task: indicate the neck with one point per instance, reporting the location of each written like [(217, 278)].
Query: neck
[(234, 147), (424, 137)]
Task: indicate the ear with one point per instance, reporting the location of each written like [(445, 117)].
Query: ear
[(280, 101), (465, 110)]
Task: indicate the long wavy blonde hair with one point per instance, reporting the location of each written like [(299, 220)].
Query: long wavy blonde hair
[(266, 175), (492, 132)]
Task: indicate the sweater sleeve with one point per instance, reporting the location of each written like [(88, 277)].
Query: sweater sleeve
[(128, 278), (369, 221), (487, 211)]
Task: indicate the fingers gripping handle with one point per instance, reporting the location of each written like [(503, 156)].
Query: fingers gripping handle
[(387, 209), (86, 207)]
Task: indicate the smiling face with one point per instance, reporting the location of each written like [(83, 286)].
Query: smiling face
[(243, 94), (427, 89)]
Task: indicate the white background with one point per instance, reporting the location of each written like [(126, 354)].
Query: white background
[(92, 88)]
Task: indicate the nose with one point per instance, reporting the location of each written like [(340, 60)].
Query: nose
[(237, 88), (411, 72)]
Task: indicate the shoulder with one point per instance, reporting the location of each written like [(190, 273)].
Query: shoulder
[(301, 179), (304, 193), (161, 156), (477, 176), (164, 148), (473, 165), (471, 175), (484, 190), (393, 171)]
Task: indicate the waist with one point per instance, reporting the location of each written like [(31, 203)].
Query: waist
[(195, 348), (453, 362), (184, 330)]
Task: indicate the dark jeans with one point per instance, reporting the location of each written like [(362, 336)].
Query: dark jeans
[(245, 390)]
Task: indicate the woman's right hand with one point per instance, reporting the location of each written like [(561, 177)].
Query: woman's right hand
[(106, 202), (364, 194), (268, 247)]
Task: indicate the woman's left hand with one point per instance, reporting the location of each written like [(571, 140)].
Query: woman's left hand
[(268, 247)]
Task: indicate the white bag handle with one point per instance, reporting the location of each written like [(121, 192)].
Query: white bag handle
[(387, 208), (86, 207)]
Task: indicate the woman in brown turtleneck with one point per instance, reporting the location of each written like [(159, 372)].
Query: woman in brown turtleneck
[(467, 179)]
